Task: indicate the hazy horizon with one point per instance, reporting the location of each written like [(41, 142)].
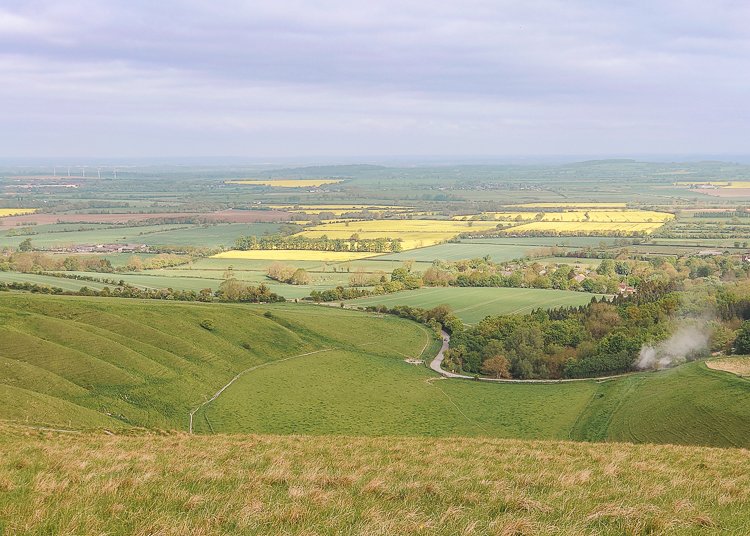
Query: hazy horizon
[(286, 80)]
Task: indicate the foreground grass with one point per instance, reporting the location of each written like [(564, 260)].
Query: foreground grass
[(177, 484)]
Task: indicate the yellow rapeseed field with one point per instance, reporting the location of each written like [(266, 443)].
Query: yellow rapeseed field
[(16, 211), (294, 255), (594, 228), (287, 183), (413, 233)]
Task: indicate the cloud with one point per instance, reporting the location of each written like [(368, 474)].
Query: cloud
[(467, 77)]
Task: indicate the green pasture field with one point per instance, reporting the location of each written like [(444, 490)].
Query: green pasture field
[(257, 265), (176, 234), (112, 235), (463, 250), (472, 304), (342, 393), (535, 242), (210, 236), (50, 281)]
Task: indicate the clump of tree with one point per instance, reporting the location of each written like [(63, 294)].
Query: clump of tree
[(234, 290), (439, 318), (597, 339), (284, 273), (322, 243)]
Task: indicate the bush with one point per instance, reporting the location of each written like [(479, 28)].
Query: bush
[(208, 324)]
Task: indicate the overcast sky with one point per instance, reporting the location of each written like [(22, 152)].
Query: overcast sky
[(319, 78)]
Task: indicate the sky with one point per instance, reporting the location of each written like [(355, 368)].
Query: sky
[(316, 78)]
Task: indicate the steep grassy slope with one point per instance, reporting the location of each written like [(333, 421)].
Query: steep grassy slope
[(688, 404), (90, 362), (179, 484)]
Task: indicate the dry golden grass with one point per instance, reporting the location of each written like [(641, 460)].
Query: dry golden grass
[(736, 365), (16, 211), (54, 483), (294, 255), (287, 183)]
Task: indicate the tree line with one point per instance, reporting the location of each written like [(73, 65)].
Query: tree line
[(322, 243)]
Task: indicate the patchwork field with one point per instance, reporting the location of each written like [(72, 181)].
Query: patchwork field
[(472, 304)]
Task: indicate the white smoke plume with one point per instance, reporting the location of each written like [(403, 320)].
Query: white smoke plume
[(687, 342)]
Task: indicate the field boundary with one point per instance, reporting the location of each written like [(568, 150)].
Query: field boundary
[(240, 374)]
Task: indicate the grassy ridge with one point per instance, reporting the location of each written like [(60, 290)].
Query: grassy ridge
[(148, 364), (178, 484)]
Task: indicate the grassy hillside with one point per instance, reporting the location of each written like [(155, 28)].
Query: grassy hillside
[(149, 363), (92, 362), (343, 393), (688, 404), (179, 484)]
